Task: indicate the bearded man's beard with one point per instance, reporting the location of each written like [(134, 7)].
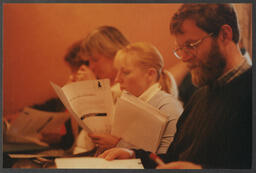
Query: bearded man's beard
[(209, 68)]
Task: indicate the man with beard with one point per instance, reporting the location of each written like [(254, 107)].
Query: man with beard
[(215, 129)]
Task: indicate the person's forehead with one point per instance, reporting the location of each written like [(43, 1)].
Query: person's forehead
[(190, 31), (127, 63)]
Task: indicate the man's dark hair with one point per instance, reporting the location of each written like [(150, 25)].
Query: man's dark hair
[(208, 17), (73, 56)]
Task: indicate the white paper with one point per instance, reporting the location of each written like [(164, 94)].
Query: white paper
[(85, 99), (97, 163), (138, 123), (26, 128)]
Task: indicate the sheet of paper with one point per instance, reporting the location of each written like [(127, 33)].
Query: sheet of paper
[(26, 156), (31, 121), (138, 123), (90, 102), (97, 163), (45, 153), (91, 96), (14, 138), (64, 100), (57, 121), (26, 128)]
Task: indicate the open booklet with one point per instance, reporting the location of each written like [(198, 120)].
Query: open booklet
[(135, 121), (90, 102), (26, 128)]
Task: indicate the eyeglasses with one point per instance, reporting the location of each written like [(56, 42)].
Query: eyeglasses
[(189, 48)]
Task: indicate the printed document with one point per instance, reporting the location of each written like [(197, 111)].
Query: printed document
[(135, 121), (138, 123), (26, 128), (90, 102), (97, 163)]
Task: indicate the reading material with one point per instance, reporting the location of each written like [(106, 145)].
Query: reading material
[(90, 102), (97, 163), (138, 123), (26, 128), (134, 120)]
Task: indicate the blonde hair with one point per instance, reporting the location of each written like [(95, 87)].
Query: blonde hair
[(146, 56), (105, 40)]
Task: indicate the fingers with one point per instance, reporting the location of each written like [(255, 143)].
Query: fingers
[(84, 73), (95, 135), (71, 78), (99, 142), (115, 153), (112, 154), (105, 153)]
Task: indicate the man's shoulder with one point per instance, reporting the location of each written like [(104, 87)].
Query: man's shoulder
[(242, 82), (246, 76)]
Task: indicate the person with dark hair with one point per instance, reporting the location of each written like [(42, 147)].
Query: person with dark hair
[(77, 64), (215, 129), (74, 58)]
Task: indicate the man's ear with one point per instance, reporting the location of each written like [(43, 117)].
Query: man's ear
[(226, 33)]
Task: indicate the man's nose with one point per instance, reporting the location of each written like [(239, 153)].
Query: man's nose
[(187, 55)]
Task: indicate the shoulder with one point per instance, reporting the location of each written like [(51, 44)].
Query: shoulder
[(241, 87), (166, 103), (164, 97), (173, 87)]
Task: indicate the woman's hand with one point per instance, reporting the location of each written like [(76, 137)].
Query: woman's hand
[(104, 140), (179, 165), (117, 153)]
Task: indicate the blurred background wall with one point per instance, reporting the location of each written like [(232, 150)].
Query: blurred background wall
[(36, 38)]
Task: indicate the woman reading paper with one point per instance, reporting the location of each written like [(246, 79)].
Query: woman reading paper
[(140, 72)]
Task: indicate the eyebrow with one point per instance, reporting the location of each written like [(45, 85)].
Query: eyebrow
[(189, 41)]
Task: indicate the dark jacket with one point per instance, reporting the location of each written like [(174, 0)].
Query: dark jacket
[(215, 129)]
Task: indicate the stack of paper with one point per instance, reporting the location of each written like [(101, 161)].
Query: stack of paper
[(138, 123)]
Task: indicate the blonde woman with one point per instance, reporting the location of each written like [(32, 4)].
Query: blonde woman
[(140, 71)]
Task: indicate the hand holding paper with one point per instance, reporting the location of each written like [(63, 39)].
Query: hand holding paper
[(104, 140)]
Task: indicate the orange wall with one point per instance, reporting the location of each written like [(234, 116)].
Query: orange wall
[(36, 37)]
